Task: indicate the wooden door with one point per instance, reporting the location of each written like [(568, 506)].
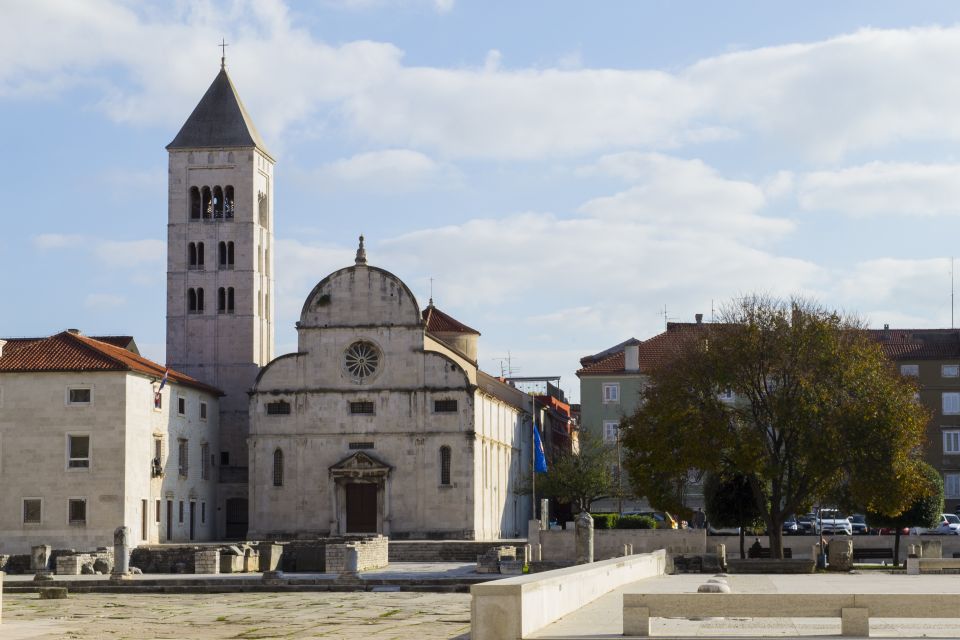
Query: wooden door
[(361, 507)]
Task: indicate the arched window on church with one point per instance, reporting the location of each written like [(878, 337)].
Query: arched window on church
[(191, 256), (195, 207), (230, 299), (192, 300), (445, 466), (222, 254), (200, 300), (199, 255), (221, 300), (206, 203), (228, 201), (266, 262), (217, 202), (278, 468), (229, 255)]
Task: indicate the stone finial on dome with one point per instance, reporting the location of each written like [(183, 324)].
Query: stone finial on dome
[(361, 253)]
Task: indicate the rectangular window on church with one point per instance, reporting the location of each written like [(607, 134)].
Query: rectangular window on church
[(278, 408), (363, 407), (444, 406)]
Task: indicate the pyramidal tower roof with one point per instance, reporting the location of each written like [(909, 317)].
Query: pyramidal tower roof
[(219, 120)]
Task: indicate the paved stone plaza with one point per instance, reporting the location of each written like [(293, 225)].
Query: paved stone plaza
[(383, 616)]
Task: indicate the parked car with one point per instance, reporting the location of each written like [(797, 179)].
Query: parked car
[(859, 523), (663, 518), (833, 522), (791, 527), (949, 525), (888, 531), (807, 524)]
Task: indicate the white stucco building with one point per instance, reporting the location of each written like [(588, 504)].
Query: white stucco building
[(382, 422), (86, 447)]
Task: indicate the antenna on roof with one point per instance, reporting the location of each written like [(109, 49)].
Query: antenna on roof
[(431, 292), (508, 370), (223, 53), (666, 318), (951, 292)]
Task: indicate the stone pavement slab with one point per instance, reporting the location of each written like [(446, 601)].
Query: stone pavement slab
[(603, 618), (301, 616)]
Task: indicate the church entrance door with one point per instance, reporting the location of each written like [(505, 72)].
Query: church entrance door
[(361, 507)]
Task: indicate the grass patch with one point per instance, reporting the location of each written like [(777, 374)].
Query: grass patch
[(387, 614), (221, 619)]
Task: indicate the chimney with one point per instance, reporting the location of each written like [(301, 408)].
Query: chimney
[(886, 327), (75, 332), (631, 357), (699, 318)]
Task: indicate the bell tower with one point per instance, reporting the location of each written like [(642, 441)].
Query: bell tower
[(220, 272)]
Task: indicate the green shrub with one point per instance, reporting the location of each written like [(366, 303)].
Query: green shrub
[(605, 520), (636, 522)]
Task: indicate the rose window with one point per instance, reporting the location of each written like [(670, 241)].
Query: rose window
[(361, 360)]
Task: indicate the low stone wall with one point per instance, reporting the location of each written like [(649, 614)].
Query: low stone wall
[(557, 545), (165, 559), (513, 608), (443, 550), (72, 564), (206, 561), (802, 545), (371, 554)]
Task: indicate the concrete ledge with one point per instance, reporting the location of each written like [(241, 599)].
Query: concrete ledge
[(763, 565), (854, 610), (917, 566), (513, 608)]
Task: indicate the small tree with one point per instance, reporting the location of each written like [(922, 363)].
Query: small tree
[(580, 477), (924, 511), (729, 502)]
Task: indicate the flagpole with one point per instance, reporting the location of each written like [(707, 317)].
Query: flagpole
[(533, 453)]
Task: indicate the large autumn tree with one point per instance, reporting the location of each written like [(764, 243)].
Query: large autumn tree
[(580, 477), (797, 398)]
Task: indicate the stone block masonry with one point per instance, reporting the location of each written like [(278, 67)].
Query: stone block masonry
[(371, 554), (207, 561)]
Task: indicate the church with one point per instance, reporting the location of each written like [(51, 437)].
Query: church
[(381, 422)]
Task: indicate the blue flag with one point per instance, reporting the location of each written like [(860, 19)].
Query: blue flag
[(539, 460)]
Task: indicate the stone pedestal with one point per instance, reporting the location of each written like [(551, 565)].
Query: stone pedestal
[(207, 561), (840, 554), (40, 557), (121, 553), (584, 538), (270, 556), (931, 548)]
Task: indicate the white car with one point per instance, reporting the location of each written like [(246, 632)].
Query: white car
[(833, 522), (949, 525)]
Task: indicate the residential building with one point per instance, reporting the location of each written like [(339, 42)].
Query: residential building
[(89, 441)]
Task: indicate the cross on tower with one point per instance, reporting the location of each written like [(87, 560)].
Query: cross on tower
[(223, 52)]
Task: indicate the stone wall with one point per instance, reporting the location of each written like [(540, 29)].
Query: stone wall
[(558, 545), (801, 545), (15, 564), (71, 564), (165, 559), (443, 550), (371, 554)]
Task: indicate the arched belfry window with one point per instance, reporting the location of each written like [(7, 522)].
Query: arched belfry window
[(192, 300), (192, 256), (230, 300), (199, 300), (445, 466), (195, 206), (200, 255), (206, 203), (228, 202), (278, 468), (217, 202), (221, 300)]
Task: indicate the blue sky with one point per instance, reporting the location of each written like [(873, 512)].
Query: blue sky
[(563, 170)]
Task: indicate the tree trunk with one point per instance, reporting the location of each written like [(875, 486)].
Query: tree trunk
[(776, 539), (896, 548)]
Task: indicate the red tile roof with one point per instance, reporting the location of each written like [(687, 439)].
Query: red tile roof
[(437, 321), (68, 351), (898, 344), (652, 351)]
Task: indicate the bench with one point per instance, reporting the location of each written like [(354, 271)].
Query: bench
[(765, 553), (872, 554), (854, 610)]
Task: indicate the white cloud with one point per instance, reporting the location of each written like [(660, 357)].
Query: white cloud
[(884, 188), (389, 170), (47, 241), (104, 301)]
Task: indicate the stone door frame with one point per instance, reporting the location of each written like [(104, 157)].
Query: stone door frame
[(361, 468)]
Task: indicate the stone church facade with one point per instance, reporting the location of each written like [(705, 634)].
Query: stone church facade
[(382, 420)]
